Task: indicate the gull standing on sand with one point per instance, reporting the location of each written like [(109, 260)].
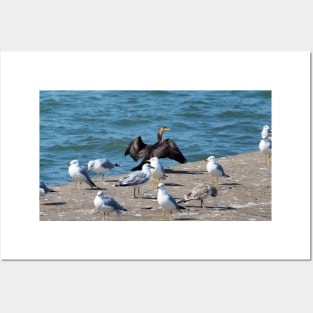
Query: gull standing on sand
[(167, 202), (137, 178), (215, 170), (157, 170), (79, 174), (107, 204), (200, 192), (101, 166), (265, 144)]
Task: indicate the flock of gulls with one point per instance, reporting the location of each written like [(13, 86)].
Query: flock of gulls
[(150, 169)]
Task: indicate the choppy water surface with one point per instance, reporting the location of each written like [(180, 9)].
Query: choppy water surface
[(86, 125)]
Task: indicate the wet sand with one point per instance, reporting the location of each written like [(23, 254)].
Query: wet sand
[(244, 196)]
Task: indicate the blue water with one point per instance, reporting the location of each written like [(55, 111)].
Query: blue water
[(86, 125)]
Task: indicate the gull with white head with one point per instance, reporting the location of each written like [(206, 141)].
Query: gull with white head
[(107, 204), (167, 202), (157, 170), (137, 179), (215, 170), (265, 144), (79, 174), (101, 166)]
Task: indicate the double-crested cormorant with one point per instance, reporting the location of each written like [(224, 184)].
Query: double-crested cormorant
[(163, 148)]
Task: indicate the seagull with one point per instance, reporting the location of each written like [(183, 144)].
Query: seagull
[(215, 169), (265, 144), (266, 132), (166, 201), (200, 192), (137, 178), (79, 174), (41, 192), (43, 189), (107, 204), (157, 170), (101, 166)]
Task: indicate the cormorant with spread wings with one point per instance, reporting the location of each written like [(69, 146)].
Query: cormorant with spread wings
[(163, 148)]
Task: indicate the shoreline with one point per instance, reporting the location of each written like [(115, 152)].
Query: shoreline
[(244, 196)]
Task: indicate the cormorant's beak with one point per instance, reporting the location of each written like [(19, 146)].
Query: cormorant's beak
[(166, 128)]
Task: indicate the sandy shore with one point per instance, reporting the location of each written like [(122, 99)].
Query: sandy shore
[(244, 196)]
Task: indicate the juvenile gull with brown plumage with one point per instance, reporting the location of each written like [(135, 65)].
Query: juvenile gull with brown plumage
[(201, 192)]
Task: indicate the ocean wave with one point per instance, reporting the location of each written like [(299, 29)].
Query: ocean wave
[(85, 125)]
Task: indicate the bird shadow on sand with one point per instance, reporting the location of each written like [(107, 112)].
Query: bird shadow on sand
[(173, 185), (54, 203), (147, 207), (110, 181), (221, 208), (171, 171), (146, 197), (230, 184), (95, 189), (217, 208), (185, 219)]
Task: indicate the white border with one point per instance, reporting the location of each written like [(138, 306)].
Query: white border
[(23, 74)]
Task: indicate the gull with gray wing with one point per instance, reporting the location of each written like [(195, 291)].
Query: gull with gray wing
[(137, 179), (215, 170), (107, 204), (79, 174), (101, 166), (167, 202), (43, 189)]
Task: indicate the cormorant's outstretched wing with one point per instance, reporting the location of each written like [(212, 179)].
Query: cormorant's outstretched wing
[(136, 149), (168, 149), (165, 149)]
